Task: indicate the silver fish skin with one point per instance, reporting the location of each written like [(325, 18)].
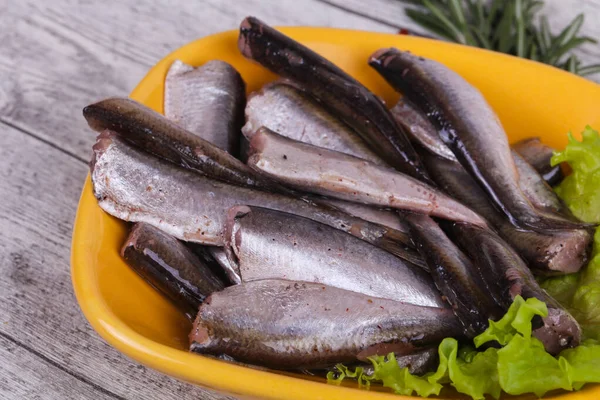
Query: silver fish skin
[(220, 257), (288, 111), (282, 108), (471, 129), (539, 155), (455, 275), (382, 217), (329, 173), (535, 187), (208, 100), (267, 244), (423, 132), (555, 253), (419, 128), (292, 325), (134, 186), (170, 267), (154, 133), (506, 276), (368, 213)]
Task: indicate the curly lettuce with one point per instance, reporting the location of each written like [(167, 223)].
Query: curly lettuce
[(580, 293), (520, 365), (581, 189)]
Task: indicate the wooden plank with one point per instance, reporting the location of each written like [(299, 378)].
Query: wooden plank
[(39, 308), (388, 12), (24, 375), (64, 54), (559, 12)]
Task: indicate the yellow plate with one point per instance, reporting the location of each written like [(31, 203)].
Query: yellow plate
[(530, 98)]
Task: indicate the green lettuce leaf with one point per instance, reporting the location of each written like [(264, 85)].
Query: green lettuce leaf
[(582, 363), (473, 373), (516, 320), (387, 371), (400, 379), (580, 293), (562, 288), (581, 190), (524, 366)]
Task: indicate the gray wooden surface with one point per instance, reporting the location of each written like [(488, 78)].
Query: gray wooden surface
[(56, 57)]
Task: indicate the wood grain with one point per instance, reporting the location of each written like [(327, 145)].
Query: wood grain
[(40, 188), (24, 374), (63, 55)]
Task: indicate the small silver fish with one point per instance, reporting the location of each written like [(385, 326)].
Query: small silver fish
[(455, 275), (170, 267), (137, 187), (154, 133), (531, 182), (471, 129), (267, 244), (538, 155), (284, 109), (288, 111), (349, 99), (329, 173), (208, 101), (293, 325), (555, 253), (506, 276)]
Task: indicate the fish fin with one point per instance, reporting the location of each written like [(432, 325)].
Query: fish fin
[(543, 223), (396, 243)]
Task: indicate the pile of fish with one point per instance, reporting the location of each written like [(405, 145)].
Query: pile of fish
[(309, 224)]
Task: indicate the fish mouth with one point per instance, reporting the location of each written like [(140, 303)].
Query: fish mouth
[(245, 30), (380, 57), (560, 331)]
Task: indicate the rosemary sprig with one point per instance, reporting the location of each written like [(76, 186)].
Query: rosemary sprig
[(508, 26)]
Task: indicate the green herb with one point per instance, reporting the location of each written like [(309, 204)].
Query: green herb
[(507, 26), (520, 365)]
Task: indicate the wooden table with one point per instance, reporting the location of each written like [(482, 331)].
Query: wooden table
[(56, 57)]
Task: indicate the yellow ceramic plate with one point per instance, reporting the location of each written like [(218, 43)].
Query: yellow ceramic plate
[(530, 98)]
